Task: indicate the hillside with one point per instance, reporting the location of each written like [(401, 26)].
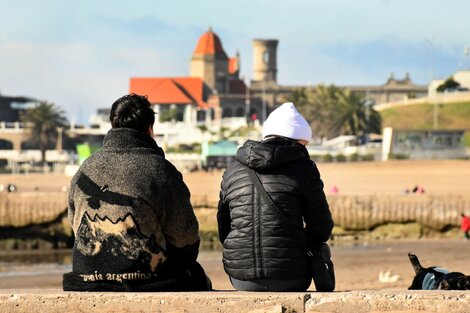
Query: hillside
[(421, 116)]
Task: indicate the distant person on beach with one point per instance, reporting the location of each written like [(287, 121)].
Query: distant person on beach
[(134, 226), (11, 188), (265, 242), (419, 190), (465, 225), (334, 190)]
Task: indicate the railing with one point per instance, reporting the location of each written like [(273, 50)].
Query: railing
[(440, 98), (8, 125), (35, 156)]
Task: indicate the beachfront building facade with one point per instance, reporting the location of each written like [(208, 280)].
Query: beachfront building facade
[(422, 144), (214, 97), (393, 90), (195, 108)]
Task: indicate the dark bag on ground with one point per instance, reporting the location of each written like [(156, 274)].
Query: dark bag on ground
[(323, 270)]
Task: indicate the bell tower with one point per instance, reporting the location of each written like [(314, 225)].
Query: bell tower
[(265, 60), (210, 62)]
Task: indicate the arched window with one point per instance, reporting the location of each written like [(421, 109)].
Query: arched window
[(227, 112), (266, 57), (240, 112), (201, 115), (6, 145)]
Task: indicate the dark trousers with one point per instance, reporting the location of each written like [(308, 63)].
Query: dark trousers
[(189, 278), (275, 285)]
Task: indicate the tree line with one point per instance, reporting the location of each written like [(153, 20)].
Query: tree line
[(43, 122), (333, 111), (330, 110)]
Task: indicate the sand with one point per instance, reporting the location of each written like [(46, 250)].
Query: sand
[(391, 177)]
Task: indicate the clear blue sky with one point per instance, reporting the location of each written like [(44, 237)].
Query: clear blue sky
[(80, 54)]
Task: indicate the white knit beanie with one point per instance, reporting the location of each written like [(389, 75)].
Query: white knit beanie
[(286, 121)]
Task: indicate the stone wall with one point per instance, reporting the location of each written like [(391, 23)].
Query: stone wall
[(27, 213), (34, 220), (56, 301), (368, 211), (28, 208)]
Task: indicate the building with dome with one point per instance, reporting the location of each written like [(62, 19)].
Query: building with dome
[(210, 63), (214, 96)]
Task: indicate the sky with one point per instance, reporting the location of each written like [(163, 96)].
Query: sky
[(81, 54)]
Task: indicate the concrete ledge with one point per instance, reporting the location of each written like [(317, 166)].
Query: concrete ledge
[(390, 301), (56, 301)]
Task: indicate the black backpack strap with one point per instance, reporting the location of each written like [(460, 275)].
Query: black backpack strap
[(264, 195), (259, 186)]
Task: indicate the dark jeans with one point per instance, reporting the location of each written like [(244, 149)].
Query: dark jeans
[(190, 278), (272, 284)]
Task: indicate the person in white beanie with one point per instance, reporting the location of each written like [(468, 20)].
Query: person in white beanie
[(287, 122), (262, 231)]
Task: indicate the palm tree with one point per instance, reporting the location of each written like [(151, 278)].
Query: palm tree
[(353, 116), (333, 111), (42, 121), (323, 103)]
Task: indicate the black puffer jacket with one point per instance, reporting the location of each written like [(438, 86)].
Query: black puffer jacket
[(258, 241)]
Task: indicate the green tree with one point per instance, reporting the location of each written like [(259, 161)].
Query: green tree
[(448, 84), (298, 96), (322, 109), (169, 115), (42, 122), (351, 115)]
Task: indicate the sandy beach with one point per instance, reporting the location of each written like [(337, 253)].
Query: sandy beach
[(391, 177)]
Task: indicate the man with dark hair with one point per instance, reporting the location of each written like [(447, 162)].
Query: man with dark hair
[(130, 211), (132, 111)]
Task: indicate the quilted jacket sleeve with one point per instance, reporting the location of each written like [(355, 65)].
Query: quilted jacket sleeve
[(318, 221)]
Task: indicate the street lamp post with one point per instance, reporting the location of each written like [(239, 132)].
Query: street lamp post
[(60, 130), (436, 115), (263, 108), (247, 105), (436, 103), (431, 67)]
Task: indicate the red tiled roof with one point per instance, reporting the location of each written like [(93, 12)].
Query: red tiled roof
[(232, 65), (170, 90), (209, 43)]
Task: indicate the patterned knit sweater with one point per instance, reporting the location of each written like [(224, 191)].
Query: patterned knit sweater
[(131, 216)]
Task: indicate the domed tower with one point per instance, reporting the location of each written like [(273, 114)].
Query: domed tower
[(210, 62), (265, 60)]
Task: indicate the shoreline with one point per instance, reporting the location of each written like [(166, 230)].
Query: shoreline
[(358, 265)]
